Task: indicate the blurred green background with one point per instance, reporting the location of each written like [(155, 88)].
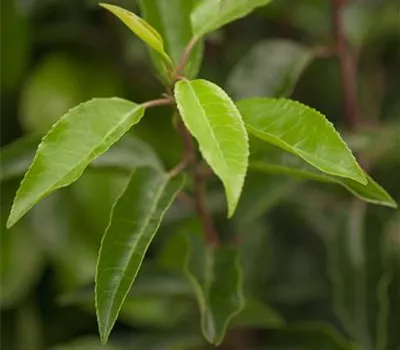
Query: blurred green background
[(322, 270)]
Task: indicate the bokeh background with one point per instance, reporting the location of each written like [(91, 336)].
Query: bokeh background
[(322, 269)]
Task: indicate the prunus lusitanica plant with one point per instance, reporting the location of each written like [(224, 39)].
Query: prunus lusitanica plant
[(221, 137)]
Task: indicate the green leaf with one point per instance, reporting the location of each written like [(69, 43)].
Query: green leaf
[(135, 218), (302, 131), (216, 276), (271, 69), (270, 159), (141, 28), (80, 136), (171, 18), (212, 118), (256, 314), (16, 157), (125, 155), (210, 15)]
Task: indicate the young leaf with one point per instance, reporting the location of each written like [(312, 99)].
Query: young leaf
[(210, 15), (270, 159), (213, 119), (302, 131), (216, 276), (80, 136), (135, 218), (171, 18), (141, 28), (271, 69)]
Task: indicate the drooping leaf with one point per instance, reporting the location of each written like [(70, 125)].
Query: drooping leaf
[(80, 136), (16, 157), (270, 69), (270, 159), (302, 131), (216, 276), (135, 218), (210, 15), (141, 28), (212, 118), (171, 18)]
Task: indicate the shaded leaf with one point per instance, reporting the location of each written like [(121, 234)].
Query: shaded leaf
[(217, 280), (271, 68), (212, 118), (80, 136), (141, 28), (210, 15), (302, 131), (171, 18), (135, 218), (270, 159), (16, 157), (258, 315)]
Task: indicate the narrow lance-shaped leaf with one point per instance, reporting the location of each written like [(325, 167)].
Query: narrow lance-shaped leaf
[(270, 159), (216, 276), (171, 18), (210, 15), (80, 136), (213, 119), (141, 28), (302, 131), (135, 218)]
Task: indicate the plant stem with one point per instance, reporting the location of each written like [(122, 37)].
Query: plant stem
[(199, 189), (347, 64), (159, 102), (185, 57)]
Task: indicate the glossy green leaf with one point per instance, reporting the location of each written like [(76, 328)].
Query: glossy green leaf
[(212, 118), (125, 155), (80, 136), (270, 69), (141, 28), (216, 276), (270, 159), (135, 218), (210, 15), (302, 131), (16, 157), (171, 18)]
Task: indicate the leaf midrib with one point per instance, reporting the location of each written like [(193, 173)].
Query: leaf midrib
[(220, 153)]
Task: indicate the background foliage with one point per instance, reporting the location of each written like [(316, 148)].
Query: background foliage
[(321, 269)]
